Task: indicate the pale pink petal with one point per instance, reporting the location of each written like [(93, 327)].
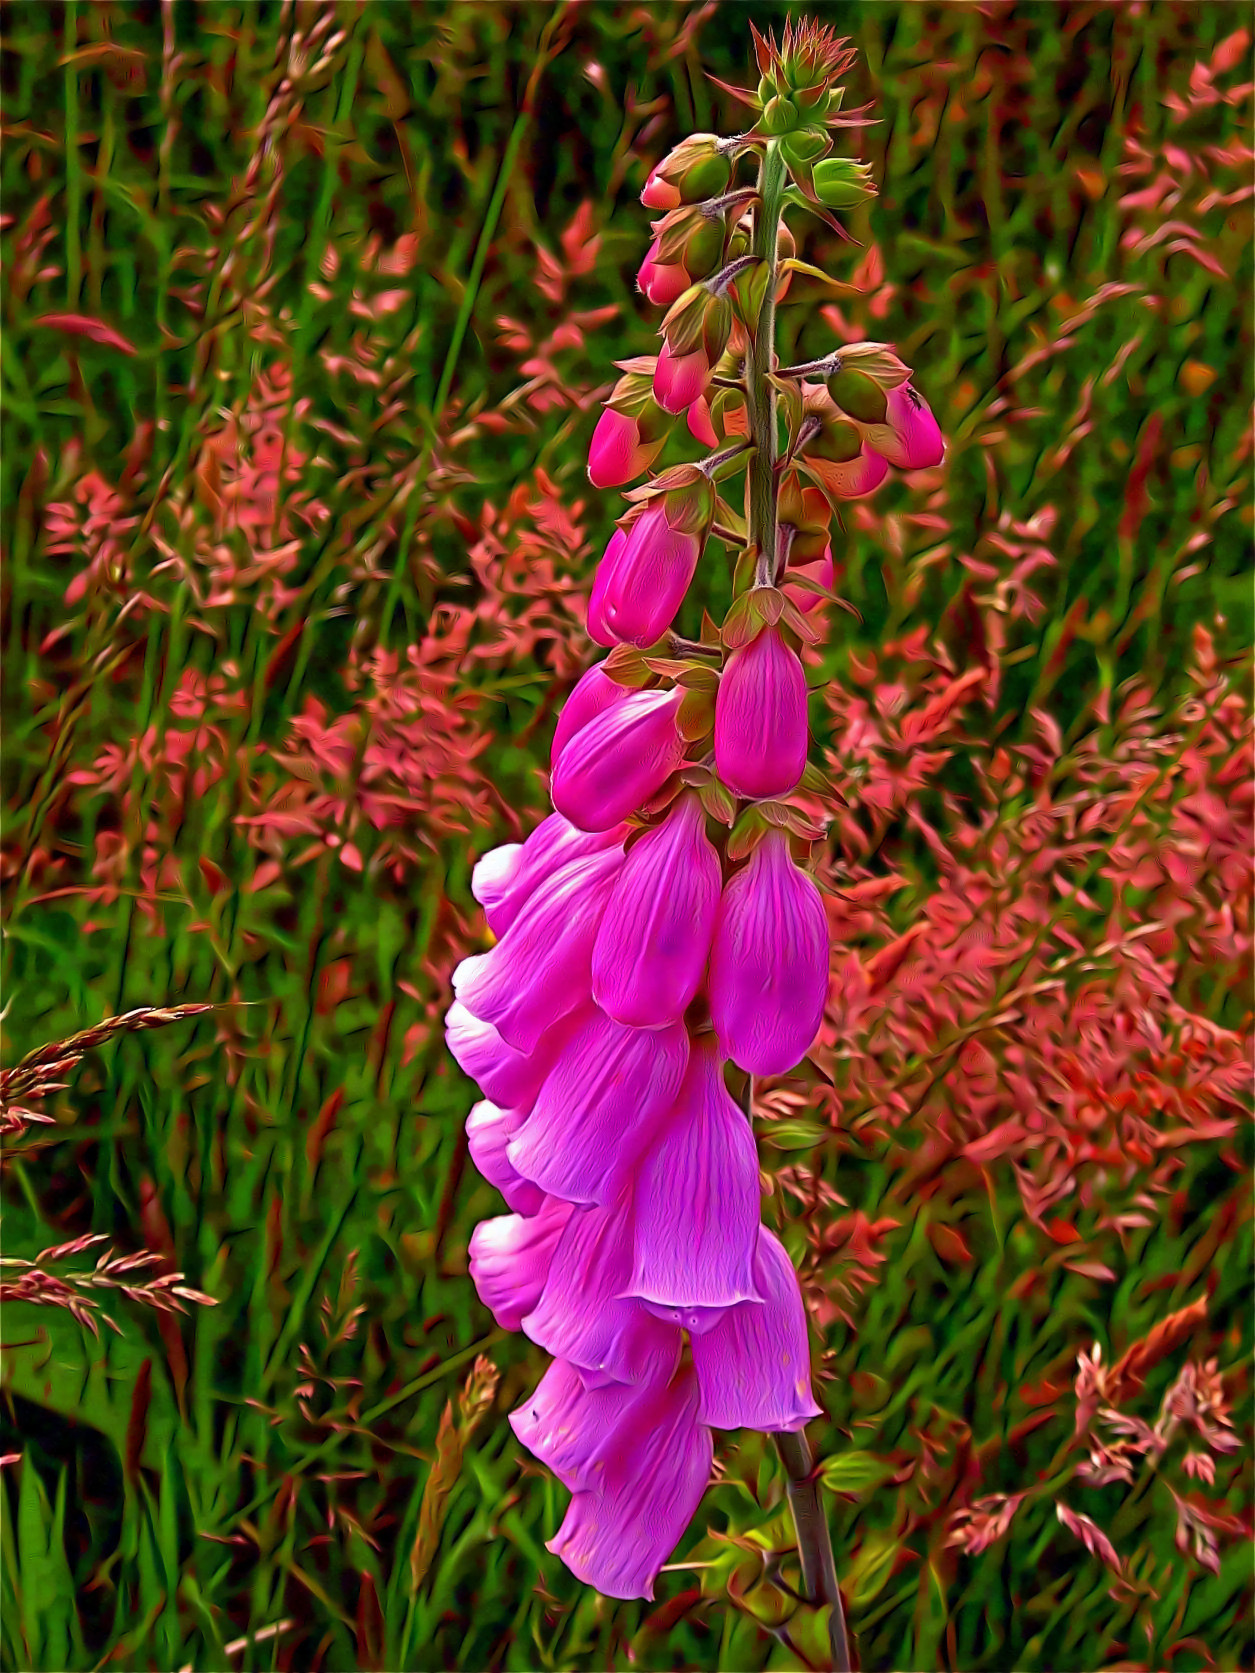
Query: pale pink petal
[(488, 1132), (753, 1366)]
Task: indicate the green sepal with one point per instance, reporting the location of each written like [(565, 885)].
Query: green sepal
[(695, 718), (627, 667)]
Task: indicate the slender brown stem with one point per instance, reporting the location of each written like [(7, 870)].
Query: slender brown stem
[(814, 1542)]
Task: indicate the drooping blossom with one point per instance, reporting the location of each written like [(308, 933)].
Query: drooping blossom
[(508, 1078), (506, 877), (646, 1475), (511, 1258), (662, 282), (539, 971), (488, 1133), (598, 1106), (910, 437), (697, 1198), (753, 1364), (769, 962), (618, 761), (760, 719), (651, 949), (642, 582), (586, 1312)]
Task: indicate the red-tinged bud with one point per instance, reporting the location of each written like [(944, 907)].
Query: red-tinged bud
[(842, 184), (910, 437), (662, 282), (695, 170), (700, 425), (680, 380), (619, 452)]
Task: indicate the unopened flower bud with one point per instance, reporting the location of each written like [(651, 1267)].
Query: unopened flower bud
[(858, 395), (760, 719), (618, 451), (642, 580), (695, 170), (662, 282), (842, 184)]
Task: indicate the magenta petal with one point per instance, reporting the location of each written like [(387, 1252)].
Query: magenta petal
[(760, 719), (598, 1107), (616, 1539), (618, 761), (853, 479), (567, 1425), (541, 968), (598, 627), (488, 1132), (649, 579), (698, 1198), (661, 282), (753, 1367), (769, 962), (614, 456), (506, 878), (910, 438), (510, 1078), (510, 1260), (594, 693), (699, 423), (654, 939), (679, 380), (582, 1315)]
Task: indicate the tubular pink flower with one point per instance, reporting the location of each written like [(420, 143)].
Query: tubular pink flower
[(621, 759), (510, 1259), (567, 1425), (585, 1314), (488, 1132), (510, 1078), (760, 719), (594, 693), (697, 1198), (661, 283), (599, 630), (617, 452), (910, 437), (647, 582), (541, 968), (679, 380), (753, 1366), (769, 962), (654, 938), (507, 877), (654, 1468), (598, 1107)]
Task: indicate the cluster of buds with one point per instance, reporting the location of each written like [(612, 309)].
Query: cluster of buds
[(660, 931)]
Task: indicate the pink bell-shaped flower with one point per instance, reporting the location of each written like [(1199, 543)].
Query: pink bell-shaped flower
[(594, 693), (598, 1108), (540, 970), (697, 1198), (681, 379), (760, 719), (651, 1470), (768, 978), (618, 452), (661, 282), (511, 1257), (509, 1078), (654, 939), (910, 437), (646, 579), (617, 762), (506, 877), (585, 1313), (701, 428), (488, 1133), (753, 1365)]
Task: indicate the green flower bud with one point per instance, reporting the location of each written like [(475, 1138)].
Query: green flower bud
[(779, 116), (805, 145), (703, 252), (705, 179), (842, 184), (838, 442)]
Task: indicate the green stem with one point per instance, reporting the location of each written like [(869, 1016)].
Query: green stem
[(759, 364)]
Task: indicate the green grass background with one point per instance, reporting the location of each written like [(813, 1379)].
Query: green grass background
[(192, 1502)]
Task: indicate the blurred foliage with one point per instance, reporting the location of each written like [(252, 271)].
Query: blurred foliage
[(307, 315)]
